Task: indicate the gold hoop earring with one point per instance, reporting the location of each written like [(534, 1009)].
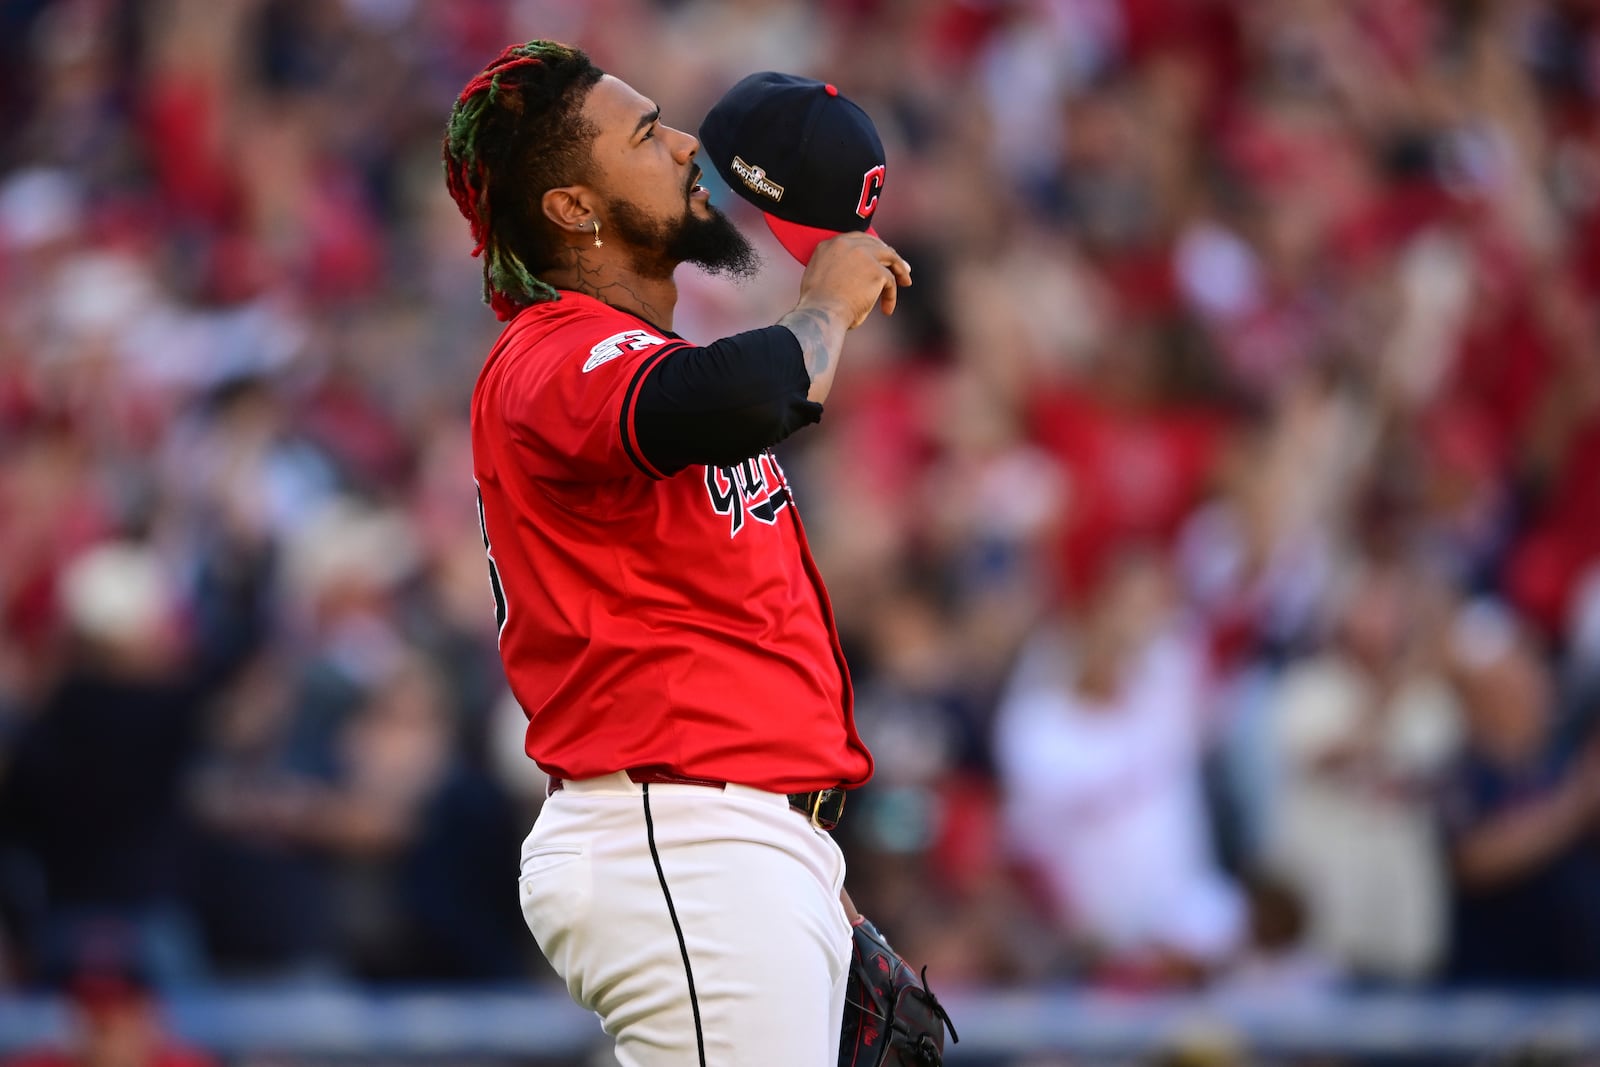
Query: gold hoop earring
[(597, 242)]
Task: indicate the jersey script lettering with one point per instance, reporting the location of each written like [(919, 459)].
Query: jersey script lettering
[(755, 487)]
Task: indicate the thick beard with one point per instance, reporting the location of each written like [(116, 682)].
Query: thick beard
[(713, 244)]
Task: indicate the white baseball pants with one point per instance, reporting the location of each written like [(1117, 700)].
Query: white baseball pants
[(702, 925)]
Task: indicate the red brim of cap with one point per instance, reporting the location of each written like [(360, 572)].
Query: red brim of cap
[(801, 241)]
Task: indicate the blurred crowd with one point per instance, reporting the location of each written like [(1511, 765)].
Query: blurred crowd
[(1214, 530)]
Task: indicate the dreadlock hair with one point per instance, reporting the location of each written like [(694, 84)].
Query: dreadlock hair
[(516, 132)]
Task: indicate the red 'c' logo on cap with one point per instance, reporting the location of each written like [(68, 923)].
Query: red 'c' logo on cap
[(871, 186)]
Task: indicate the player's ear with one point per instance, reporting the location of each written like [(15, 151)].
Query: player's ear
[(568, 207)]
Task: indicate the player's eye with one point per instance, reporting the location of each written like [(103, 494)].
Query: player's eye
[(649, 132)]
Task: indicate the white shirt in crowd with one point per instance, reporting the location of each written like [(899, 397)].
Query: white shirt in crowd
[(1105, 801)]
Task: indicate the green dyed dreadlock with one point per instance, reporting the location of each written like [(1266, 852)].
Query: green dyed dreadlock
[(516, 132)]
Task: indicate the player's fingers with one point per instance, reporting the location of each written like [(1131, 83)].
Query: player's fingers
[(890, 294), (895, 262), (885, 302)]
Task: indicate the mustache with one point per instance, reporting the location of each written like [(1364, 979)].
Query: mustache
[(694, 179)]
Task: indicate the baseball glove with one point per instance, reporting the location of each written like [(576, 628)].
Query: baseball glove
[(891, 1017)]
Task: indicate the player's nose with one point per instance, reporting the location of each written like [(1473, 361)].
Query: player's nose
[(687, 146)]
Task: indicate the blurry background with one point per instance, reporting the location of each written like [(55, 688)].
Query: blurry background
[(1213, 531)]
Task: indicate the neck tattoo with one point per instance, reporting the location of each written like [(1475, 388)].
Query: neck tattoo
[(588, 278)]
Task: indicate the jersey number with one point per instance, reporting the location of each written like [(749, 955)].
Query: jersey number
[(494, 573)]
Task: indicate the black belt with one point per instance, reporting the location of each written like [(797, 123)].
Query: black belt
[(824, 807)]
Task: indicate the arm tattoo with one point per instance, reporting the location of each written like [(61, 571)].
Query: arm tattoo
[(810, 327)]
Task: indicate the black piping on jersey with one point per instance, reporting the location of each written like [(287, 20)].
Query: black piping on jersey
[(625, 417), (683, 947)]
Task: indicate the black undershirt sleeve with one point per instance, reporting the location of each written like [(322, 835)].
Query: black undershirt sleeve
[(724, 403)]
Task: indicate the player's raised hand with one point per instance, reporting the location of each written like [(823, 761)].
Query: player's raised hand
[(851, 273)]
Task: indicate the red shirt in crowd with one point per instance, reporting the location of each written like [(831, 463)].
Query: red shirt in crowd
[(1135, 474)]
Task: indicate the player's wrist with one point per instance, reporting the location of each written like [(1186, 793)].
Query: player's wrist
[(839, 316), (836, 311)]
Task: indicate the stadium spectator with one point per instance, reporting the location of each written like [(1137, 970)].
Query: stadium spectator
[(115, 1022), (92, 800), (1099, 742), (1522, 816), (1363, 732)]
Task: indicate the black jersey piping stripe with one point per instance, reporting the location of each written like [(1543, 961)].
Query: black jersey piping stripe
[(683, 947), (625, 416)]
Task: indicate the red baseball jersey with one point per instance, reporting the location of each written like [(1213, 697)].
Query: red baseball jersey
[(674, 622)]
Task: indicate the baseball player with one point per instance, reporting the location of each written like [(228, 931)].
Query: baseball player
[(662, 622)]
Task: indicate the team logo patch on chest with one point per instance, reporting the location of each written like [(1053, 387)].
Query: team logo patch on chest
[(754, 488)]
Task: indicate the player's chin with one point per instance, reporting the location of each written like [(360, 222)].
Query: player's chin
[(698, 214), (712, 242)]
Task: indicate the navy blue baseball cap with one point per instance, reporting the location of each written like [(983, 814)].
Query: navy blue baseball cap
[(808, 158)]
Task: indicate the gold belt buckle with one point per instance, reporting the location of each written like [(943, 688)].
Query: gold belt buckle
[(817, 801)]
